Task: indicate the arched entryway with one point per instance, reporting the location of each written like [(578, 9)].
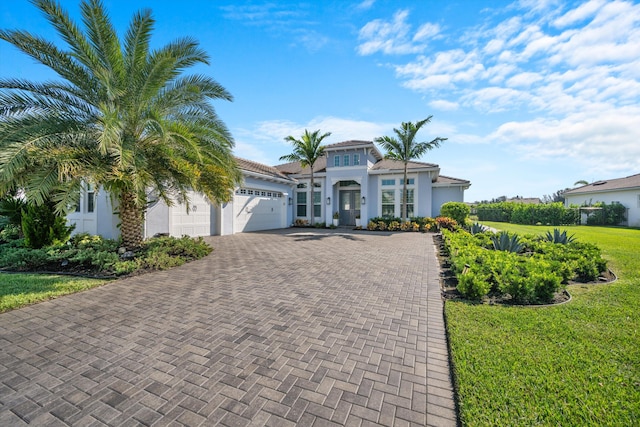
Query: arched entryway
[(349, 202)]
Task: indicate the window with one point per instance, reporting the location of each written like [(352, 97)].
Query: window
[(345, 160), (317, 204), (301, 204), (91, 199), (336, 160), (302, 185), (388, 203), (410, 181), (409, 203), (356, 159), (388, 182)]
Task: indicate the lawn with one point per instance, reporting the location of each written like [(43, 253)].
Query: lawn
[(572, 365), (18, 290)]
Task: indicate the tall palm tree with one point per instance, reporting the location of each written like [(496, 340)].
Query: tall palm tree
[(123, 117), (307, 150), (581, 182), (404, 148)]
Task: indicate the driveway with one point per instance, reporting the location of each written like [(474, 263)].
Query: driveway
[(292, 327)]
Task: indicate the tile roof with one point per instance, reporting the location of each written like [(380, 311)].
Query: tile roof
[(295, 168), (632, 181), (397, 164), (442, 179), (251, 166)]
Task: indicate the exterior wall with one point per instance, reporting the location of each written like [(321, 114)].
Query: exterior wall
[(442, 195), (425, 194), (373, 199), (101, 221), (628, 198), (157, 219)]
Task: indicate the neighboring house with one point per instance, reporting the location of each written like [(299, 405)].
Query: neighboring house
[(525, 200), (354, 179), (625, 191), (357, 180)]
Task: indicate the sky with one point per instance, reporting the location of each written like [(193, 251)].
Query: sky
[(532, 95)]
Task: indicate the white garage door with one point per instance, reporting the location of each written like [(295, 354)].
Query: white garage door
[(262, 210), (195, 223)]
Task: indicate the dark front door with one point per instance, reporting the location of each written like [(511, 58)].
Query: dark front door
[(349, 206)]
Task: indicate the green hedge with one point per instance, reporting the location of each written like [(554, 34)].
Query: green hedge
[(526, 214)]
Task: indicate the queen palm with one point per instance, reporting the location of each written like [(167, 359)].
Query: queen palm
[(123, 117), (307, 150), (404, 148)]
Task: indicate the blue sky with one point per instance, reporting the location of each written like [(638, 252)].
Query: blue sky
[(532, 95)]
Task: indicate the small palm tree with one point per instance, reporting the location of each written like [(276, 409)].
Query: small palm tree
[(123, 118), (581, 182), (404, 148), (307, 150)]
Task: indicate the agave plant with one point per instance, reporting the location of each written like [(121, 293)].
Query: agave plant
[(477, 228), (505, 242), (559, 237)]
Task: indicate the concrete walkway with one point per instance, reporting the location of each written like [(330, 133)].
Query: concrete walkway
[(317, 328)]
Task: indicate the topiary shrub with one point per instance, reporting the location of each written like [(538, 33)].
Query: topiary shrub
[(42, 227), (456, 210)]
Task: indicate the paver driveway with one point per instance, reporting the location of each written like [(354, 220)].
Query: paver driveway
[(282, 328)]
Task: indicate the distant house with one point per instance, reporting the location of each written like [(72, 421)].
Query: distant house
[(625, 191), (526, 200), (352, 179)]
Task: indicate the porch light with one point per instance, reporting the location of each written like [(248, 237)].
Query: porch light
[(364, 200), (328, 200), (290, 201)]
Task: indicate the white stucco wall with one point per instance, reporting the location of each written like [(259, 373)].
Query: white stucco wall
[(442, 195), (628, 198)]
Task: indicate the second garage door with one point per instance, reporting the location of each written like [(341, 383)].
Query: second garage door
[(195, 223), (255, 210)]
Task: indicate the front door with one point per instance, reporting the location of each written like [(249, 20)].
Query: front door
[(349, 206)]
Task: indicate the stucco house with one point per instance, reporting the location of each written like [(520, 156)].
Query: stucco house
[(352, 179), (625, 191)]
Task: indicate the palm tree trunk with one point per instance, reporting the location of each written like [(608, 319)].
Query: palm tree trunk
[(132, 221), (404, 194), (312, 197)]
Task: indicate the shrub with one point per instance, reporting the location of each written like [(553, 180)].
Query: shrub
[(10, 232), (473, 285), (372, 225), (42, 227), (456, 210), (393, 226), (446, 223)]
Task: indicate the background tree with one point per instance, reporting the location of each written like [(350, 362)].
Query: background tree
[(404, 148), (307, 150), (123, 118)]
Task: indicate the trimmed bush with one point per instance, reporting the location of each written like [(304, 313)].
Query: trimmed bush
[(456, 210)]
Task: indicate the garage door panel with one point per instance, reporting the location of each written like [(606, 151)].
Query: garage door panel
[(195, 223), (254, 213)]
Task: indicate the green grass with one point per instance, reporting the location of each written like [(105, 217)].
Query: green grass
[(18, 290), (572, 365)]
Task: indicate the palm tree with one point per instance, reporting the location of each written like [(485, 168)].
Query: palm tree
[(404, 148), (581, 182), (307, 150), (123, 118)]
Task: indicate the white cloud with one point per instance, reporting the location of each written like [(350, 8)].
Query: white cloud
[(584, 11), (365, 4), (392, 37), (444, 105)]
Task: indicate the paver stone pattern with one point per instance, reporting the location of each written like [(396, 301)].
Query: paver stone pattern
[(276, 328)]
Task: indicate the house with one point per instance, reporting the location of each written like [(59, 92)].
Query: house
[(625, 191), (352, 179)]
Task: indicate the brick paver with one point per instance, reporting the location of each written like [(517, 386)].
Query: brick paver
[(283, 328)]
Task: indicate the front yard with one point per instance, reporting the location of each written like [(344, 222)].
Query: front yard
[(574, 364)]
